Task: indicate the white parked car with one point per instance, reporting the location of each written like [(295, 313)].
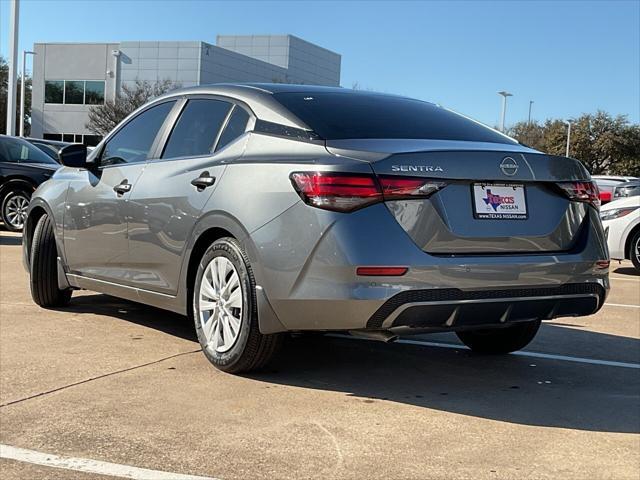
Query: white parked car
[(621, 219), (607, 184)]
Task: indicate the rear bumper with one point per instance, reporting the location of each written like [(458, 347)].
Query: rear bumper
[(310, 278), (453, 309)]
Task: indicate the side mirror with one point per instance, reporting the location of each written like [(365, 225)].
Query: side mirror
[(74, 155)]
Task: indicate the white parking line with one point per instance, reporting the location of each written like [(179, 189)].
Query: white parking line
[(621, 305), (90, 466), (592, 361)]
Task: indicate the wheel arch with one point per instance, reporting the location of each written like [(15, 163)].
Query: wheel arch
[(16, 181), (209, 229), (37, 209), (627, 242)]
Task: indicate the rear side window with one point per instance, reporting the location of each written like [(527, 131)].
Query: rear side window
[(133, 142), (337, 116), (197, 128), (236, 126)]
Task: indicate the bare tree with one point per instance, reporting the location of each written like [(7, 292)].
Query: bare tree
[(103, 118)]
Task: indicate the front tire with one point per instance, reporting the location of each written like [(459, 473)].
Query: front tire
[(500, 340), (225, 312), (44, 267), (14, 209), (634, 250)]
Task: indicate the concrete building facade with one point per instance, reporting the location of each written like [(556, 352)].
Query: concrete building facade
[(70, 78)]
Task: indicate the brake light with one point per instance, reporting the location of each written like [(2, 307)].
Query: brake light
[(582, 192), (336, 191), (605, 197), (346, 192)]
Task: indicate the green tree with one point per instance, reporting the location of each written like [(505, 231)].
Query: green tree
[(104, 118), (603, 143)]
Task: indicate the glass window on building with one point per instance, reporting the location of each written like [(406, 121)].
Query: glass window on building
[(94, 93), (67, 137), (52, 136), (73, 92), (92, 140), (53, 91)]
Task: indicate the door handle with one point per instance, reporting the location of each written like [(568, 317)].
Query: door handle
[(203, 181), (122, 188)]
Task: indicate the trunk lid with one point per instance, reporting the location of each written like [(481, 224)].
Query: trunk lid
[(463, 217)]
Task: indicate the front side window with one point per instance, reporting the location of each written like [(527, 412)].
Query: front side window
[(197, 128), (133, 141), (54, 91), (236, 126), (74, 92)]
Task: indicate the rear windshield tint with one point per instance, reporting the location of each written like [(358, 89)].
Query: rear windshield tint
[(337, 116)]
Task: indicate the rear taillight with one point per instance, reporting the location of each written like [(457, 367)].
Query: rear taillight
[(582, 192), (336, 191), (395, 188), (605, 197), (345, 192)]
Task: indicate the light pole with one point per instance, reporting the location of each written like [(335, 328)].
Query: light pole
[(568, 122), (13, 71), (504, 107), (530, 103), (23, 88)]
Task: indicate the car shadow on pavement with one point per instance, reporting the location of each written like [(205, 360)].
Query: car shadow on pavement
[(627, 271), (140, 314), (10, 240), (511, 388)]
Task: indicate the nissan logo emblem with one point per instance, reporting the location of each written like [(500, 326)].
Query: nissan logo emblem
[(509, 166)]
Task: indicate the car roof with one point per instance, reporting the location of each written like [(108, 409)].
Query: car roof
[(47, 142), (259, 97)]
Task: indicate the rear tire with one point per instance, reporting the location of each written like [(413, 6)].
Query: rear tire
[(44, 267), (634, 250), (14, 209), (500, 340), (225, 312)]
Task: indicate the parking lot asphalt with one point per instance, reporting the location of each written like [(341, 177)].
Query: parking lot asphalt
[(107, 380)]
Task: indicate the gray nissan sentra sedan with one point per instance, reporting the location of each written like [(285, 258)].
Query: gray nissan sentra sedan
[(262, 209)]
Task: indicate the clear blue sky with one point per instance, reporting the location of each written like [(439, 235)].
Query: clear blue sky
[(569, 57)]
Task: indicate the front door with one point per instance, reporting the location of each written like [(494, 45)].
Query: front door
[(95, 218)]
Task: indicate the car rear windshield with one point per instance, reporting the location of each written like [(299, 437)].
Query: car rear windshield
[(337, 116)]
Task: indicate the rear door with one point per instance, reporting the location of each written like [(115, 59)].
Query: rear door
[(173, 189), (95, 219)]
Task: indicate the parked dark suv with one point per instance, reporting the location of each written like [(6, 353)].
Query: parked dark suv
[(22, 168)]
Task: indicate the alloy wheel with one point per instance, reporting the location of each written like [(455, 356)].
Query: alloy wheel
[(220, 303), (15, 210)]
